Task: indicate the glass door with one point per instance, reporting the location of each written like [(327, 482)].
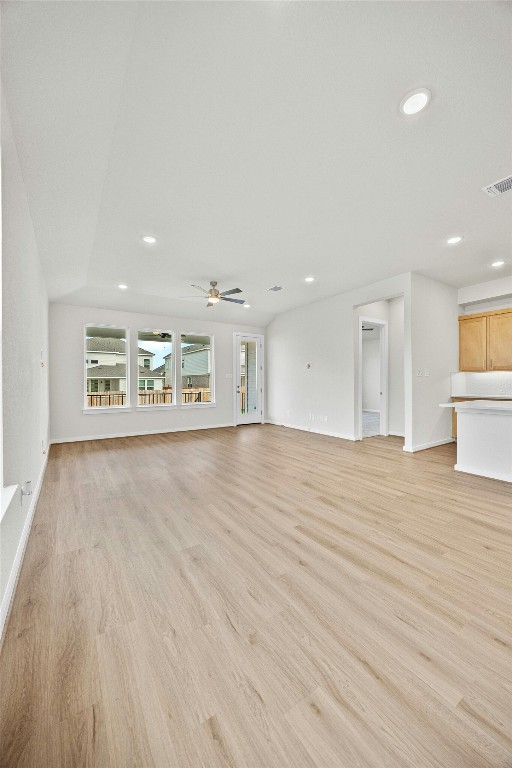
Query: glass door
[(249, 379)]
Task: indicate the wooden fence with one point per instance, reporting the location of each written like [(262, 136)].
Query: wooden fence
[(148, 397), (105, 399)]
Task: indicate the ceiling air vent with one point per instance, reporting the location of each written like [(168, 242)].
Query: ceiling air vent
[(499, 187), (275, 288)]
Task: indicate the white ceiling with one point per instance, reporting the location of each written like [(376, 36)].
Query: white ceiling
[(260, 142)]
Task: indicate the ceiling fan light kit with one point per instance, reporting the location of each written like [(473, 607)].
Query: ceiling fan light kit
[(215, 296)]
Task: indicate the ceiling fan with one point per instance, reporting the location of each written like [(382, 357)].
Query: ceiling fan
[(214, 295)]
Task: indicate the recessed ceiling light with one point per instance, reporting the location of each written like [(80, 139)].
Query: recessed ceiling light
[(497, 264), (122, 286), (247, 306), (309, 279), (150, 239), (454, 240), (415, 101)]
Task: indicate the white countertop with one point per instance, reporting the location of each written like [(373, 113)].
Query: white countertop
[(485, 397), (504, 406)]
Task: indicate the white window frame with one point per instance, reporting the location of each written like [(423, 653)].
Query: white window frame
[(213, 403), (159, 406), (108, 408)]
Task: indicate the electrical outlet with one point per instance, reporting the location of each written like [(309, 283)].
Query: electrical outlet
[(426, 372), (420, 372)]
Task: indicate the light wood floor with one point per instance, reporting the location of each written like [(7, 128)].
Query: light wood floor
[(261, 598)]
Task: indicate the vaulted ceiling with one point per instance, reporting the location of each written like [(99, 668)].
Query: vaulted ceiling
[(260, 142)]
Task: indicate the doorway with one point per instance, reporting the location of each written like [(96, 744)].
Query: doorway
[(248, 390), (373, 377)]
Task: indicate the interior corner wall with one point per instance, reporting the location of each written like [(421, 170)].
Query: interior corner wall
[(25, 381), (434, 348), (322, 335), (68, 422)]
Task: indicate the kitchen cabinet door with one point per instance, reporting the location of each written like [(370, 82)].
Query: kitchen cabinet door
[(473, 344), (499, 342)]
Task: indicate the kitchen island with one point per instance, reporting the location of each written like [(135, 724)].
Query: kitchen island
[(484, 437)]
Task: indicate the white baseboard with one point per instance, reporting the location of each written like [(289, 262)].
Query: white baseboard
[(313, 431), (397, 434), (20, 552), (495, 475), (57, 440), (370, 410), (425, 446)]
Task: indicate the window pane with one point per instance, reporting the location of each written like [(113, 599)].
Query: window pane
[(196, 369), (106, 367), (156, 367), (248, 377)]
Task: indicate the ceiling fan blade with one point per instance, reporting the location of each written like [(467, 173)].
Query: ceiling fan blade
[(210, 304), (235, 301), (199, 288), (233, 290)]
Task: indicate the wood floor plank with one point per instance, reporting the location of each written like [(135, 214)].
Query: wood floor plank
[(260, 598)]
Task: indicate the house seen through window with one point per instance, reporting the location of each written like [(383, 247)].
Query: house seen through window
[(155, 368), (106, 358), (196, 369)]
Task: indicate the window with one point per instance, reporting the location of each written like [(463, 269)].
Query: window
[(156, 359), (106, 367), (197, 384)]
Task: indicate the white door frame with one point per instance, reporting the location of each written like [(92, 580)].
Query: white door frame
[(384, 376), (260, 410)]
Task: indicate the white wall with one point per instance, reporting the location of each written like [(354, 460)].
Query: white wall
[(371, 375), (486, 306), (501, 288), (25, 382), (324, 334), (324, 398), (396, 400), (68, 422), (435, 345)]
